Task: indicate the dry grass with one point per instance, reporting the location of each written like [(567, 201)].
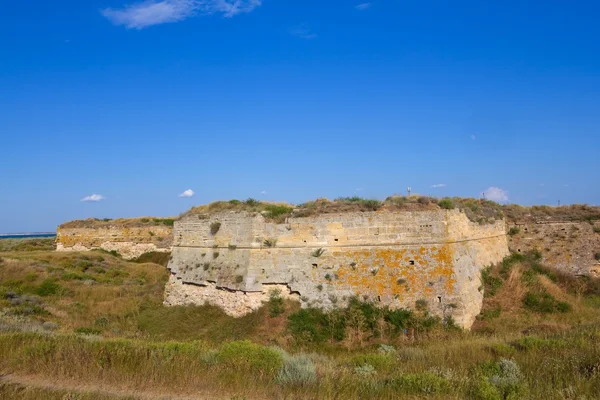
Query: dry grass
[(574, 212), (120, 222), (33, 244), (131, 342)]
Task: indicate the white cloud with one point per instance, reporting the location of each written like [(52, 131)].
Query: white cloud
[(154, 12), (303, 32), (94, 198), (188, 193), (496, 194), (263, 192), (362, 6), (438, 185)]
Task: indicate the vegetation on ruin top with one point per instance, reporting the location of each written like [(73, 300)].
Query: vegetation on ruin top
[(574, 212), (120, 222), (481, 211), (477, 210)]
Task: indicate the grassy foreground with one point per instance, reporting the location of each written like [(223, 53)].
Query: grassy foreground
[(95, 318)]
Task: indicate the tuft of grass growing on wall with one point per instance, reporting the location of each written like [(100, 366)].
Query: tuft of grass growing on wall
[(214, 227), (318, 252)]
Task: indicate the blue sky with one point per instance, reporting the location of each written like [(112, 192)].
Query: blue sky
[(137, 102)]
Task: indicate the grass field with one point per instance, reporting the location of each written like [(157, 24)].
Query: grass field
[(92, 326)]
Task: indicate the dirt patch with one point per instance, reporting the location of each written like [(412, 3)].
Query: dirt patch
[(74, 387)]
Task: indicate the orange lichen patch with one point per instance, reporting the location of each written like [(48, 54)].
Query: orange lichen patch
[(377, 272)]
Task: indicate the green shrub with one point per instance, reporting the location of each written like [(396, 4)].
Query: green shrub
[(214, 227), (508, 262), (297, 370), (381, 362), (277, 212), (239, 279), (491, 313), (535, 343), (400, 319), (544, 303), (308, 325), (249, 357), (446, 203), (514, 231), (597, 256), (491, 283), (482, 389), (597, 229), (48, 288), (163, 221), (275, 303)]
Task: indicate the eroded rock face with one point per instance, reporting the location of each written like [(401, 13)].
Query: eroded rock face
[(235, 303), (390, 258), (129, 242), (569, 247)]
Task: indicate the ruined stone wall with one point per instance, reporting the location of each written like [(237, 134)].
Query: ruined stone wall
[(391, 258), (129, 242), (567, 246)]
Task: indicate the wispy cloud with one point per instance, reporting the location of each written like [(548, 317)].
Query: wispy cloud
[(362, 6), (188, 193), (263, 192), (303, 31), (154, 12), (496, 194), (93, 198), (438, 185)]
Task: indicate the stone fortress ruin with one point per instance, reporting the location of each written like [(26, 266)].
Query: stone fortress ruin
[(233, 257)]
